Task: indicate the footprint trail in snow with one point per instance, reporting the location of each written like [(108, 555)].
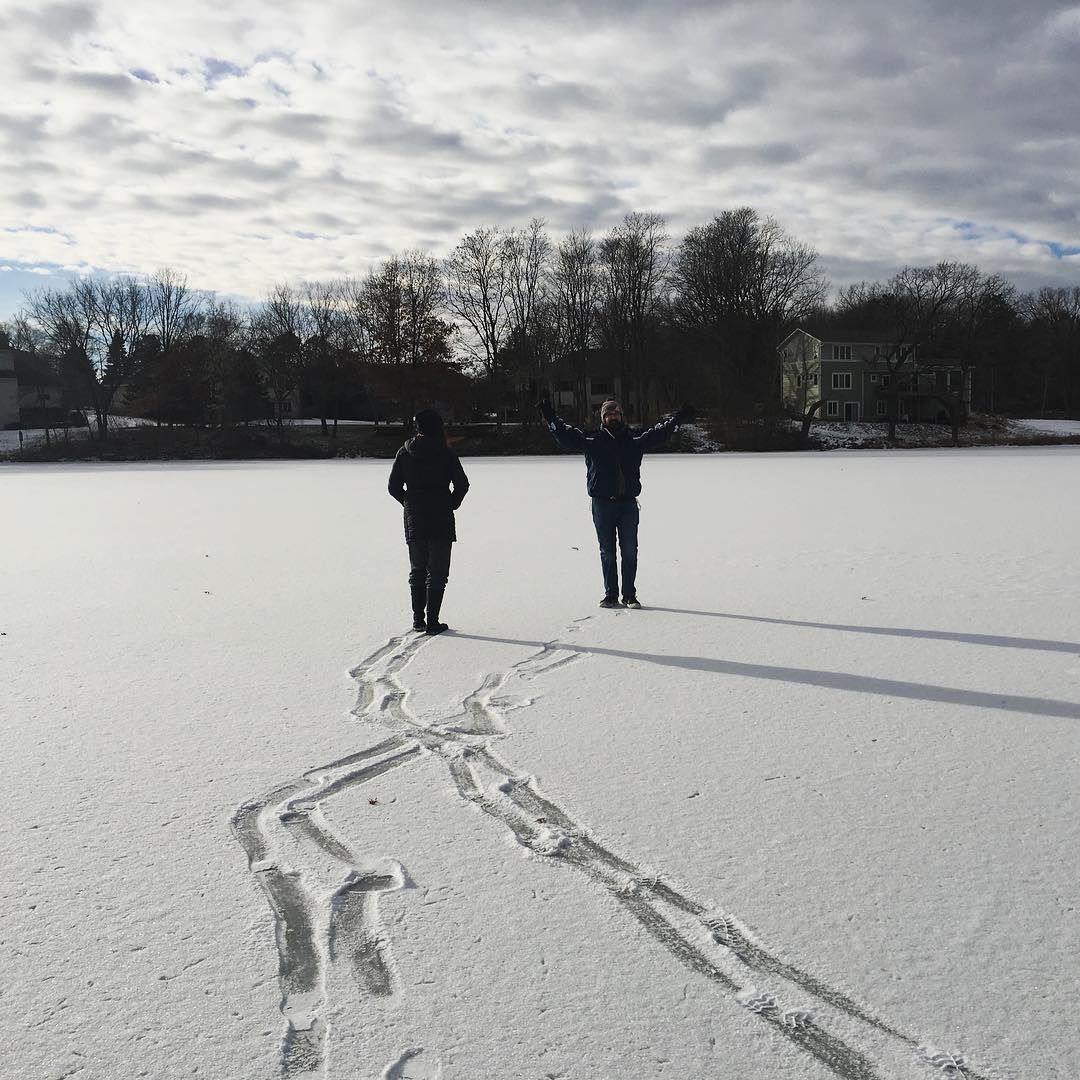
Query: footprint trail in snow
[(317, 926)]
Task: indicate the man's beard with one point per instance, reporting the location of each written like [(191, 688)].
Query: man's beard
[(614, 426)]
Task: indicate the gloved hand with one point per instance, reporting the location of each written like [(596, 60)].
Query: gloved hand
[(546, 411), (685, 414)]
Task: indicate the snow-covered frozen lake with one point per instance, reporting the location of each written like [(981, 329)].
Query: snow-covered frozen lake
[(811, 814)]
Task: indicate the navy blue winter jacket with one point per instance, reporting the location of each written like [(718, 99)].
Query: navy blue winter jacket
[(612, 461)]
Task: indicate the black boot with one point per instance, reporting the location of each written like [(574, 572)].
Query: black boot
[(434, 602), (419, 599)]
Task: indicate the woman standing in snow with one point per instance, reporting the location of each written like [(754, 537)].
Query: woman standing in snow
[(424, 472)]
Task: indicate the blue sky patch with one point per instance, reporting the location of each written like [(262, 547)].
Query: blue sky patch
[(216, 70)]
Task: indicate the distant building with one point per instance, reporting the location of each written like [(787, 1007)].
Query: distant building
[(32, 395), (9, 390), (578, 385), (850, 375), (43, 398)]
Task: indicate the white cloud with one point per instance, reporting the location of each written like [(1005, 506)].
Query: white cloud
[(216, 137)]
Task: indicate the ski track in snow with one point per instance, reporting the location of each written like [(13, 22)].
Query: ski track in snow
[(316, 926)]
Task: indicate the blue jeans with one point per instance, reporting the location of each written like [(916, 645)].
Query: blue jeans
[(617, 518)]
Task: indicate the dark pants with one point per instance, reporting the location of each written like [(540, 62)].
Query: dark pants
[(617, 518), (429, 563)]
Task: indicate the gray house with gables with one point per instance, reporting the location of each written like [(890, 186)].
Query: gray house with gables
[(853, 376)]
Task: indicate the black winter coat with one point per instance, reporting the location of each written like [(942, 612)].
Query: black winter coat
[(612, 462), (423, 473)]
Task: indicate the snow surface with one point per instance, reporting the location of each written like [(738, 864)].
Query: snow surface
[(812, 813), (9, 440), (1052, 427)]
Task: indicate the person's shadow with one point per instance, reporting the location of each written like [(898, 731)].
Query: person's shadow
[(1041, 644), (839, 680)]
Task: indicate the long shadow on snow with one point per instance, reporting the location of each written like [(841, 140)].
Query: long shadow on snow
[(830, 680), (1040, 644)]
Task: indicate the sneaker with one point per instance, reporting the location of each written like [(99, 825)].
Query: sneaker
[(610, 602), (631, 602), (435, 628)]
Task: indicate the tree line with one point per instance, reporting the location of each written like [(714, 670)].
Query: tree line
[(486, 329)]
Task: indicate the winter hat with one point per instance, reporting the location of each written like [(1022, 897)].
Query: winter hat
[(428, 422), (609, 406)]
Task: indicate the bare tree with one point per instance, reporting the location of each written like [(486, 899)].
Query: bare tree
[(325, 355), (634, 261), (1054, 319), (122, 318), (174, 308), (67, 318), (477, 295), (278, 330), (740, 283), (235, 388), (575, 284), (806, 365), (21, 334)]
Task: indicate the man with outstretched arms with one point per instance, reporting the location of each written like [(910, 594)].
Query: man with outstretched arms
[(613, 465)]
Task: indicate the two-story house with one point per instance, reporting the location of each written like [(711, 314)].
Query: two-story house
[(853, 376)]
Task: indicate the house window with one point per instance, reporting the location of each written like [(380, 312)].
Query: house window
[(814, 379), (883, 408), (798, 379), (841, 380), (886, 379), (841, 352), (873, 378), (832, 408)]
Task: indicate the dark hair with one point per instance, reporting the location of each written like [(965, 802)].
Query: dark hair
[(429, 422)]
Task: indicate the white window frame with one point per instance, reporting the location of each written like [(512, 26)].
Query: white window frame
[(883, 408), (832, 408), (873, 378), (841, 380), (841, 352), (815, 379)]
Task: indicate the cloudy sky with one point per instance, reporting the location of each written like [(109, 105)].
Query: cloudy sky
[(246, 143)]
